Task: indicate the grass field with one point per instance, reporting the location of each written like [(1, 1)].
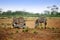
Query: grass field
[(31, 34), (30, 22), (7, 32)]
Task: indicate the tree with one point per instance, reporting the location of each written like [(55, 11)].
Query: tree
[(54, 9), (0, 10), (46, 12)]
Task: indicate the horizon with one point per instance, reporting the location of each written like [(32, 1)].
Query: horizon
[(35, 6)]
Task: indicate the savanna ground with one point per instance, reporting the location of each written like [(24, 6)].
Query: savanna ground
[(52, 32)]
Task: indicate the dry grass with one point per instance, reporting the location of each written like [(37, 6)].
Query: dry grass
[(30, 22), (32, 34), (51, 33)]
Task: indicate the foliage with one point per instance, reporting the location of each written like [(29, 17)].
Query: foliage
[(17, 31), (18, 14), (52, 13), (35, 32), (25, 30)]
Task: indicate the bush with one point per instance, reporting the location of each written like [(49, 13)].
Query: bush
[(17, 31), (48, 27), (53, 28), (25, 30), (34, 31), (41, 28), (2, 24)]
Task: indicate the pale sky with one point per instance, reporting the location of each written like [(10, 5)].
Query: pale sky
[(36, 6)]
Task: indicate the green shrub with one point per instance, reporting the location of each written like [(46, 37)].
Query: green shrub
[(53, 28), (41, 27), (17, 31), (25, 29), (2, 24), (34, 31), (12, 33), (8, 24), (2, 18), (48, 27)]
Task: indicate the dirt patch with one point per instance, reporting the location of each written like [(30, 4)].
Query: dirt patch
[(30, 22), (45, 34), (53, 22)]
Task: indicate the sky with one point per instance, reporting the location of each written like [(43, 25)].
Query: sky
[(35, 6)]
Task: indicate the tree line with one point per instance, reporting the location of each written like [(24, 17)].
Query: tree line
[(52, 12)]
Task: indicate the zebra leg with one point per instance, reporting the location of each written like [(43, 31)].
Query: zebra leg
[(36, 25), (24, 25), (45, 24)]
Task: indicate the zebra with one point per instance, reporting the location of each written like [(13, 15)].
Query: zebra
[(18, 22), (41, 20)]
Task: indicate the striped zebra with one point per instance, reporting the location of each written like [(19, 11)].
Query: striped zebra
[(41, 20), (18, 22)]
